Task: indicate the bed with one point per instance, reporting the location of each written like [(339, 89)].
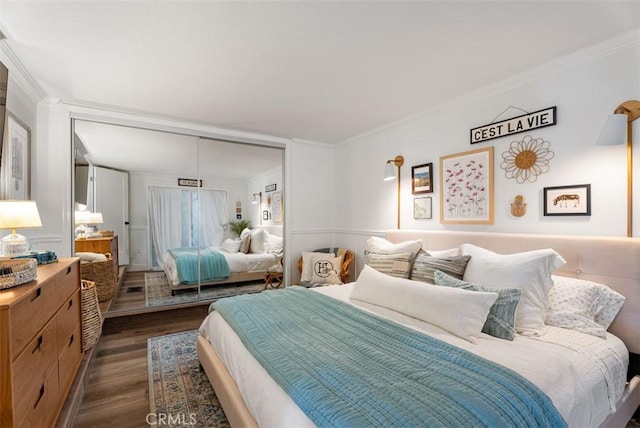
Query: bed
[(187, 268), (579, 388)]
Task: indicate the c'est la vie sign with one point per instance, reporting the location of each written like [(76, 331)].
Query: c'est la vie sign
[(515, 125)]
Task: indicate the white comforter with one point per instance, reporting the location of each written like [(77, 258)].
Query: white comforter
[(584, 381), (238, 262)]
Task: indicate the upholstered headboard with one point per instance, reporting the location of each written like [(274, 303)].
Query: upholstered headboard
[(608, 260)]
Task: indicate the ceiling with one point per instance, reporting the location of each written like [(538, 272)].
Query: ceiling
[(316, 70)]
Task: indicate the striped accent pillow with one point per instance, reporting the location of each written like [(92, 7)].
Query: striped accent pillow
[(425, 265), (501, 320), (398, 265)]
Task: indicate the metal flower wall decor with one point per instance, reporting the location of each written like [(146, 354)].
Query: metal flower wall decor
[(525, 160)]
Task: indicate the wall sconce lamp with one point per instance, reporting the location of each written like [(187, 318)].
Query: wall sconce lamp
[(617, 130), (390, 174), (257, 199), (14, 215)]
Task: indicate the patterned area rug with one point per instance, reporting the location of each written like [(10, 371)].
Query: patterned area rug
[(158, 293), (179, 393)]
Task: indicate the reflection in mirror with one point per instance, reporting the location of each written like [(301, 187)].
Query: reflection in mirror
[(167, 201)]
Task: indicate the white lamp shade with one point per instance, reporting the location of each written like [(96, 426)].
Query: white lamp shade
[(82, 217), (614, 131), (95, 218), (389, 171), (19, 214)]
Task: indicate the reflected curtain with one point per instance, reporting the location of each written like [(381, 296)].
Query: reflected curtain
[(165, 212), (173, 223), (213, 216)]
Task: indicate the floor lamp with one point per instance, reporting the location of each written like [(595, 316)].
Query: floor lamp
[(390, 174), (618, 130)]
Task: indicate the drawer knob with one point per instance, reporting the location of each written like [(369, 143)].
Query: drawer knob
[(37, 294), (69, 304), (39, 396), (70, 340), (68, 270), (38, 345)]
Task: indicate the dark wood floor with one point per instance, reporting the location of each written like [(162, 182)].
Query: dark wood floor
[(117, 393)]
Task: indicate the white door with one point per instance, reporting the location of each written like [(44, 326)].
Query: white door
[(111, 189)]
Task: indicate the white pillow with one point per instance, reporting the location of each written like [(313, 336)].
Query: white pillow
[(529, 271), (598, 302), (325, 269), (91, 257), (258, 243), (452, 252), (275, 244), (458, 311), (382, 246), (231, 245), (309, 258), (245, 241)]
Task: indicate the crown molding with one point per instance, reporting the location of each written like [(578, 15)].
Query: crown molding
[(625, 41), (19, 74)]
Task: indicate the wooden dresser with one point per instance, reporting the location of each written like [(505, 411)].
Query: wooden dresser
[(40, 345), (100, 245)]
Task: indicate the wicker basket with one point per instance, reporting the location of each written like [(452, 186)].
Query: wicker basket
[(102, 274), (16, 272), (91, 315)]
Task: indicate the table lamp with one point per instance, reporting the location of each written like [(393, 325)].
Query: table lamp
[(81, 219), (17, 215)]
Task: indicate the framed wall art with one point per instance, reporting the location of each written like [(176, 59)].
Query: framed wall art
[(466, 180), (276, 207), (15, 160), (422, 178), (567, 200), (422, 208)]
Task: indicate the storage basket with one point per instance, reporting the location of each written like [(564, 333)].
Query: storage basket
[(91, 315), (102, 274), (16, 272)]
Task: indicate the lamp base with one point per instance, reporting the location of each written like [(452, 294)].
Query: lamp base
[(14, 245)]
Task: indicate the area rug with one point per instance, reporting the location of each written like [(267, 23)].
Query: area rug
[(158, 293), (179, 392)]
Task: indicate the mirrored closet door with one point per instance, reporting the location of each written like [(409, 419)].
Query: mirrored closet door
[(168, 204)]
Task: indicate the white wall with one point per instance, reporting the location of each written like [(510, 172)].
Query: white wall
[(585, 87)]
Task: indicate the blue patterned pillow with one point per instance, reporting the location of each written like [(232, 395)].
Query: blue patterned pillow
[(500, 322)]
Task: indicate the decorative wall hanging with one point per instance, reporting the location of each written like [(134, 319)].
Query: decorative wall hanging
[(270, 187), (16, 155), (276, 207), (189, 182), (422, 178), (567, 200), (466, 179), (525, 160), (422, 208), (515, 125), (518, 207)]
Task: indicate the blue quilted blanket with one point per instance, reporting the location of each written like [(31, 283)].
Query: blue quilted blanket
[(199, 263), (345, 367)]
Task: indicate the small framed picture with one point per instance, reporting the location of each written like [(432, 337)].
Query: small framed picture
[(422, 208), (567, 200), (422, 178)]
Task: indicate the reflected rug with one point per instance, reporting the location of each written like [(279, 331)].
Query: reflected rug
[(157, 292), (180, 395)]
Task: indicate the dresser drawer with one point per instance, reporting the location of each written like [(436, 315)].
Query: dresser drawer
[(42, 402), (66, 283), (69, 359), (68, 320), (31, 366), (30, 314)]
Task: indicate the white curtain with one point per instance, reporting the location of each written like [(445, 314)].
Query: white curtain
[(173, 225), (165, 218), (213, 216)]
